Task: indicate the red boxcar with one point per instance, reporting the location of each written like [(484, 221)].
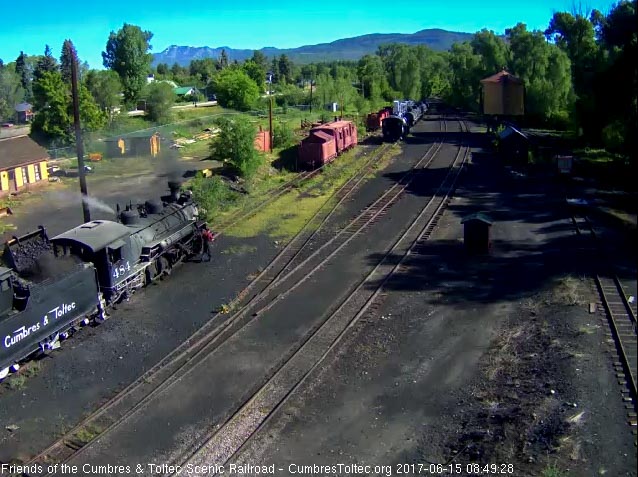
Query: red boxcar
[(326, 141), (375, 120)]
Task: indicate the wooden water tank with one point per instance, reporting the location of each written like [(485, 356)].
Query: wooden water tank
[(503, 94)]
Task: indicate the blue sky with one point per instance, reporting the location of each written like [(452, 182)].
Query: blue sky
[(250, 23)]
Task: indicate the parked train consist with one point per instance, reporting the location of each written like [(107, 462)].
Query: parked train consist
[(405, 114), (325, 142), (52, 286)]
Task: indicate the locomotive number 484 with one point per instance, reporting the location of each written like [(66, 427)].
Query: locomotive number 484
[(121, 270)]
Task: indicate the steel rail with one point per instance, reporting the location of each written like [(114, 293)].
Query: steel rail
[(234, 434)]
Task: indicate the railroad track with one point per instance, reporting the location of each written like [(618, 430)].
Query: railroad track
[(621, 319), (134, 396), (270, 197), (228, 439)]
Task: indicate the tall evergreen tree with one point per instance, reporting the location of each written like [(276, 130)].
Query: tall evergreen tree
[(67, 57), (23, 71), (46, 64), (223, 59)]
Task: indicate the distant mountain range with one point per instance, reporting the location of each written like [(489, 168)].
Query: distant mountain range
[(345, 49)]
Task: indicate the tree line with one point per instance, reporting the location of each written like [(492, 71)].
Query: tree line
[(579, 73)]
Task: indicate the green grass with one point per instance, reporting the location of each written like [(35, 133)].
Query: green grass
[(17, 382), (552, 470), (283, 218), (198, 150), (87, 434), (239, 250)]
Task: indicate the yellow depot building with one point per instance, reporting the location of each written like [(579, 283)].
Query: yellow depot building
[(23, 164)]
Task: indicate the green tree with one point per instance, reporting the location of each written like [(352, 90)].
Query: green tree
[(159, 102), (127, 54), (67, 56), (235, 89), (465, 69), (435, 72), (54, 106), (92, 118), (371, 73), (52, 102), (285, 67), (11, 92), (203, 70), (493, 51), (546, 70), (260, 59), (46, 63), (22, 69), (105, 87), (256, 73), (162, 69), (235, 144), (223, 59)]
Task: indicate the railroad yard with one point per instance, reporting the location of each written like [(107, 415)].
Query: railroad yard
[(371, 343)]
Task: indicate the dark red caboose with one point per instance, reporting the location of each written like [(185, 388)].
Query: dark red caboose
[(344, 134), (327, 141), (317, 149)]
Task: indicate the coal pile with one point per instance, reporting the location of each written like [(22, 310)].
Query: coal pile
[(23, 256)]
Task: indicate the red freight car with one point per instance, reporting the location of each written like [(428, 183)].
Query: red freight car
[(375, 120), (317, 149), (326, 141)]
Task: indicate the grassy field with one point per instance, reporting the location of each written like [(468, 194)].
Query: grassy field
[(282, 219)]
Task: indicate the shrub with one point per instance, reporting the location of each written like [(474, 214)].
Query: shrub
[(283, 136), (212, 194), (235, 144)]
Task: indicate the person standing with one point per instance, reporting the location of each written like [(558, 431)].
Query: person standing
[(207, 239)]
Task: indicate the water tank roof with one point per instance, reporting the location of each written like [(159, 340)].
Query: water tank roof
[(502, 77)]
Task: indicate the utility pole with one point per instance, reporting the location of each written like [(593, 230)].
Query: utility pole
[(270, 110), (78, 137), (310, 95)]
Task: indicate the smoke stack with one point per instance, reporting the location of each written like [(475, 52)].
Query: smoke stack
[(174, 187)]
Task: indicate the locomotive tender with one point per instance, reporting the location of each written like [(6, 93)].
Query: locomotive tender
[(55, 285)]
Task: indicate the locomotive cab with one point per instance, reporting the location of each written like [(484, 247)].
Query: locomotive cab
[(104, 243)]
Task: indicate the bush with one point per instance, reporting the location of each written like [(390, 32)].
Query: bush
[(159, 102), (613, 136), (235, 144), (283, 136), (212, 194)]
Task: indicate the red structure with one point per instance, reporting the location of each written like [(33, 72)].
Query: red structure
[(326, 142), (262, 140), (374, 120)]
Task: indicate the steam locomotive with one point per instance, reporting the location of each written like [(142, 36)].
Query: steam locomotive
[(51, 287)]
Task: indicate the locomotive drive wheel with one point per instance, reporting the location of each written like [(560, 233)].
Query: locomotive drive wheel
[(164, 266)]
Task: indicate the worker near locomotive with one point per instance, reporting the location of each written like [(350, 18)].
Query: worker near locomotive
[(51, 287)]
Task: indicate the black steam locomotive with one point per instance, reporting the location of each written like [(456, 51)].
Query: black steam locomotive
[(52, 286)]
